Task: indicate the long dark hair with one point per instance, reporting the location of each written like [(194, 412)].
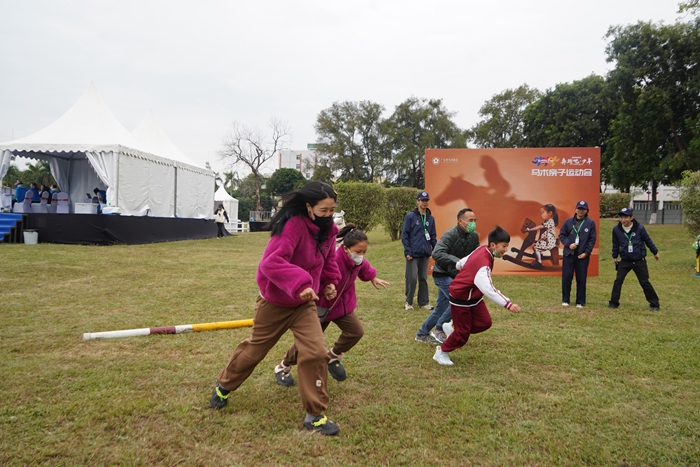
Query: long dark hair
[(553, 210), (294, 204), (351, 236)]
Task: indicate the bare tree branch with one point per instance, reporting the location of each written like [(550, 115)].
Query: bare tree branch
[(247, 145)]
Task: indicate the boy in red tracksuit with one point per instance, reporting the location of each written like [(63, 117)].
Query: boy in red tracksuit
[(467, 290)]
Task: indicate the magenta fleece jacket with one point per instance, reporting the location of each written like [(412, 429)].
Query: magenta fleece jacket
[(346, 302), (293, 261)]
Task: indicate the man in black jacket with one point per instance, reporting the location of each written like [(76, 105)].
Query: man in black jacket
[(630, 241)]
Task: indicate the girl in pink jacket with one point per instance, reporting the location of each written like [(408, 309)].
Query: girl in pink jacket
[(297, 267), (341, 309)]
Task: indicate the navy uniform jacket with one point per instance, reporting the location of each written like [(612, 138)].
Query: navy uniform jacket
[(413, 235), (640, 241), (586, 240)]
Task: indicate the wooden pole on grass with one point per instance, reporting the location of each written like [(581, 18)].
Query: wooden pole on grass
[(168, 329)]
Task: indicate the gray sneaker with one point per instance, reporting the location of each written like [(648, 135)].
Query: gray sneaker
[(426, 339), (438, 335)]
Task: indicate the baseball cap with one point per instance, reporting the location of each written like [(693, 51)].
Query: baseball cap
[(582, 205), (625, 212), (423, 195)]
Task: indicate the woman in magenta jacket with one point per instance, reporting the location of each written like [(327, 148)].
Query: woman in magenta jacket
[(350, 257), (297, 267)]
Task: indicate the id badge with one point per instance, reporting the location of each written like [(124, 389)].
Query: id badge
[(630, 249), (576, 241), (427, 236)]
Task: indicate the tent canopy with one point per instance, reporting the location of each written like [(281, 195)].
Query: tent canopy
[(87, 147)]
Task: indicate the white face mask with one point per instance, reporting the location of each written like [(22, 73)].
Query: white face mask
[(357, 259)]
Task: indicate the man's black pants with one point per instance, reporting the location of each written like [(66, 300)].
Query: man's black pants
[(640, 269)]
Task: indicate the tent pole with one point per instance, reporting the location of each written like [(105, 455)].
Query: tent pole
[(175, 194), (116, 179)]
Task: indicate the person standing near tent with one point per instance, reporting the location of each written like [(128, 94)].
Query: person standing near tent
[(221, 217), (298, 265)]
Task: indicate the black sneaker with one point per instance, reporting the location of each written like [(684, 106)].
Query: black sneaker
[(337, 371), (612, 305), (218, 399), (322, 425), (284, 378), (654, 307)]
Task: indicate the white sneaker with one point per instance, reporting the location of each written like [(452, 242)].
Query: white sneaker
[(408, 307), (447, 328), (426, 307), (442, 357), (565, 304), (579, 306)]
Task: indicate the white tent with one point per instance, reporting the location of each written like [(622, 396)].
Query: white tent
[(87, 147), (230, 204), (193, 184)]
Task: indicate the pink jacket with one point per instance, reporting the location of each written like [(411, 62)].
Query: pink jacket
[(293, 261), (346, 302)]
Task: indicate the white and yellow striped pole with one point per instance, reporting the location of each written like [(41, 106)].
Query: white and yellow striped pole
[(241, 323)]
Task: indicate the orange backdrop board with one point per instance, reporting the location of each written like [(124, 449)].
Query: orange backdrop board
[(508, 187)]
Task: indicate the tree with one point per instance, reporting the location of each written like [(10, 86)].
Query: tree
[(13, 174), (502, 126), (39, 173), (247, 145), (349, 134), (574, 114), (657, 79), (323, 173), (691, 6), (416, 125), (247, 198), (361, 203), (283, 181), (399, 201), (690, 201)]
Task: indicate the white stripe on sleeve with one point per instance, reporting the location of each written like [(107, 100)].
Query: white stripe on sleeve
[(483, 281)]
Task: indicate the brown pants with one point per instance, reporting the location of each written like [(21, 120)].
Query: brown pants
[(270, 322), (352, 332)]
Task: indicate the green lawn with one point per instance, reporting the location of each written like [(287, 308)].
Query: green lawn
[(546, 387)]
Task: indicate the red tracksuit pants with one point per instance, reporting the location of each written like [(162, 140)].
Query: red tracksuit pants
[(466, 320)]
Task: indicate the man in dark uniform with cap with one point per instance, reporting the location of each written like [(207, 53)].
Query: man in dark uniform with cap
[(630, 241), (419, 237), (578, 235)]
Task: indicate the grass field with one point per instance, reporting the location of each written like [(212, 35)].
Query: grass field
[(547, 387)]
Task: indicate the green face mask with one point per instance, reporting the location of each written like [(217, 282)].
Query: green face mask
[(495, 254), (471, 227)]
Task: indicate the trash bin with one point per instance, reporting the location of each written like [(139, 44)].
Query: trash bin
[(31, 237)]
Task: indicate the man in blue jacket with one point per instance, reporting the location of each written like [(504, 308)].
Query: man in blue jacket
[(630, 241), (419, 238), (578, 235)]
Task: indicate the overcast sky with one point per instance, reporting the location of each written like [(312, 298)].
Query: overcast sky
[(201, 65)]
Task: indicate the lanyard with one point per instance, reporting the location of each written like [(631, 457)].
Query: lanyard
[(579, 226), (629, 237), (423, 219)]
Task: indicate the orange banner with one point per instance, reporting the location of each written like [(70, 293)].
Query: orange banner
[(516, 189)]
